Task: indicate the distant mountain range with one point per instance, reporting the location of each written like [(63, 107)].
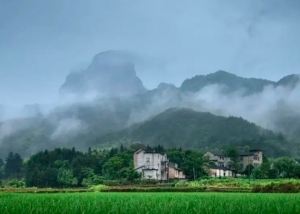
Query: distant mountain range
[(126, 112)]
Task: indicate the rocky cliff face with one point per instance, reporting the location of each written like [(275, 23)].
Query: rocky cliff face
[(111, 73)]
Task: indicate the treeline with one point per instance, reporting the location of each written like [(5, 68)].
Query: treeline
[(71, 168), (63, 167), (283, 167)]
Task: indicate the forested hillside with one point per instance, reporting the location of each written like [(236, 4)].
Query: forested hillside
[(186, 128)]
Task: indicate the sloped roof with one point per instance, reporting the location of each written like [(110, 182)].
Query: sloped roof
[(217, 154), (246, 154), (138, 151), (172, 165)]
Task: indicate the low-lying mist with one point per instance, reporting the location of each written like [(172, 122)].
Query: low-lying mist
[(264, 109)]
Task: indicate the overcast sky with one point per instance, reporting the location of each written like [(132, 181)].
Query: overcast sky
[(42, 41)]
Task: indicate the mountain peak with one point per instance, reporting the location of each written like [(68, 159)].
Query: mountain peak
[(221, 72), (164, 86), (114, 57), (111, 73), (290, 81)]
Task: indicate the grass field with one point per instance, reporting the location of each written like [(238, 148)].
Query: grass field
[(143, 203)]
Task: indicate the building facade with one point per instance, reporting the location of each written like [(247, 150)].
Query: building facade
[(254, 157), (220, 171), (220, 165), (151, 164), (155, 165), (174, 172), (218, 159)]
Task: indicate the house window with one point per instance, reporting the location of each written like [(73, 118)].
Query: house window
[(241, 158), (256, 157), (148, 160)]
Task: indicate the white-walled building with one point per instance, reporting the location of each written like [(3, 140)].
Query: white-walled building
[(151, 164), (220, 171), (220, 163), (218, 158)]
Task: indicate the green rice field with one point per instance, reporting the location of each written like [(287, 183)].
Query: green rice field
[(143, 203)]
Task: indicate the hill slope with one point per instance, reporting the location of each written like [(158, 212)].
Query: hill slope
[(180, 127), (233, 83)]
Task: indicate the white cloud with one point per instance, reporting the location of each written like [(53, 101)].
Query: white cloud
[(67, 127)]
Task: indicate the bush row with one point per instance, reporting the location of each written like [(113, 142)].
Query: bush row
[(32, 190), (277, 188), (155, 189)]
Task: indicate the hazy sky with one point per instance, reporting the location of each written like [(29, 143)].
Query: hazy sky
[(42, 41)]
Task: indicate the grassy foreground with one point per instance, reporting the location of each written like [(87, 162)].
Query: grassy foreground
[(138, 203)]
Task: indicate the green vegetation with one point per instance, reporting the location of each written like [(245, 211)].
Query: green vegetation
[(68, 168), (186, 128), (235, 182), (179, 203)]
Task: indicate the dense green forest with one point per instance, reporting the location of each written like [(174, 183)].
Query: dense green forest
[(177, 127), (71, 168), (62, 167)]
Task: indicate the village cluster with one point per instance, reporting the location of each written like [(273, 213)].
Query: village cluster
[(156, 165)]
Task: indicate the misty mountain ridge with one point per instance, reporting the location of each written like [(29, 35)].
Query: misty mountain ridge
[(186, 128), (235, 83), (111, 73), (127, 103)]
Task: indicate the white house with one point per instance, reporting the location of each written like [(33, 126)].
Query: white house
[(220, 171), (220, 164), (218, 158), (151, 164)]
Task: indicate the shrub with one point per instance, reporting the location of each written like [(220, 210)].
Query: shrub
[(94, 180), (16, 183), (277, 188), (98, 188), (111, 183), (155, 189)]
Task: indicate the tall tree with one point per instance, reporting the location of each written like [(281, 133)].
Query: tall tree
[(13, 166), (192, 162), (285, 166), (233, 153), (1, 168)]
